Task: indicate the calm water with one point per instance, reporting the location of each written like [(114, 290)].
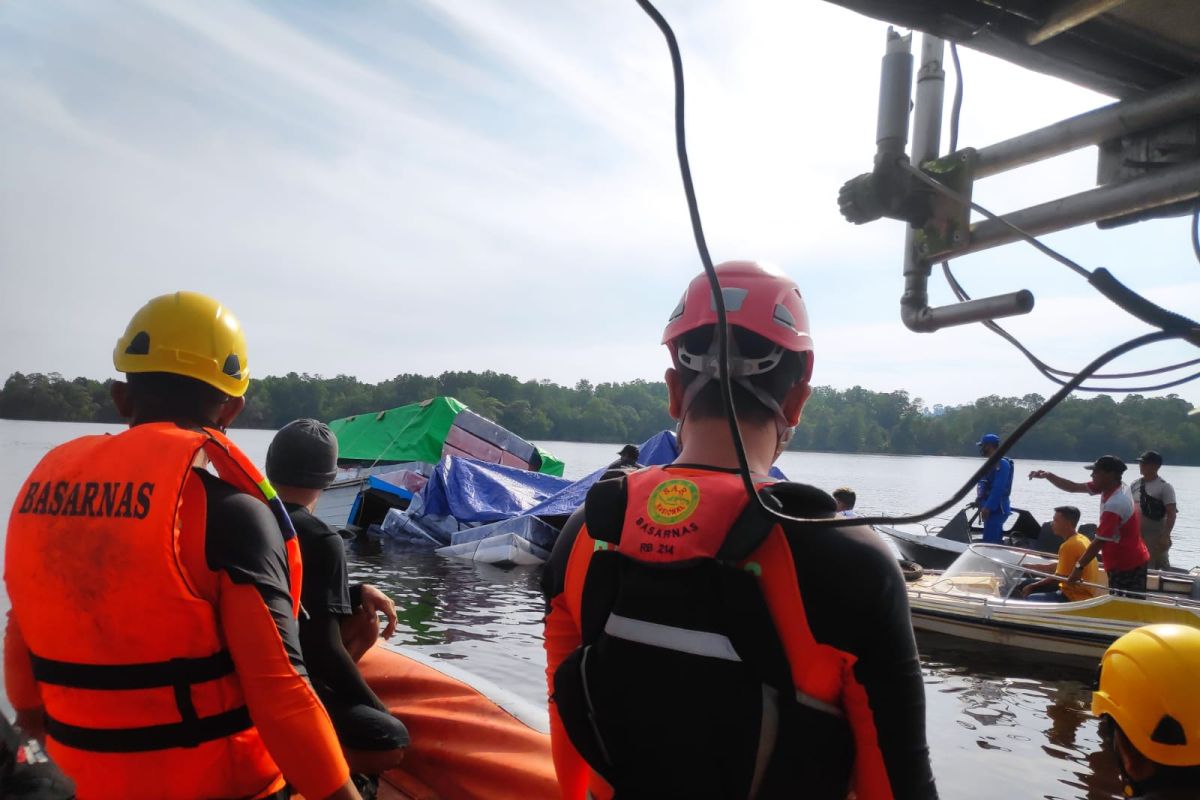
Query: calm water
[(999, 727)]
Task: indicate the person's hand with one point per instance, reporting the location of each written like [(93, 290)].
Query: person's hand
[(32, 722), (376, 602), (1076, 575), (1027, 590), (1038, 473), (983, 514)]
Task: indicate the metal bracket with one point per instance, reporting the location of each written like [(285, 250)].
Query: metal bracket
[(949, 224)]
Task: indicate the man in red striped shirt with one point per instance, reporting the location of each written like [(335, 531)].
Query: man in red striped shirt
[(1119, 535)]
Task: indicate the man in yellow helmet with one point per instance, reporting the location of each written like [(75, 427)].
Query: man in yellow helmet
[(1150, 710), (153, 640)]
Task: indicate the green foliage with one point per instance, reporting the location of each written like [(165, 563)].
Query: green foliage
[(853, 420)]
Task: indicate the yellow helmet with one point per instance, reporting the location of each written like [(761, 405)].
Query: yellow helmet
[(186, 333), (1147, 684)]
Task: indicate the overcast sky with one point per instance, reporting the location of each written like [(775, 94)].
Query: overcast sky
[(386, 187)]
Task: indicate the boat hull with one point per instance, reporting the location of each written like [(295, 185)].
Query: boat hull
[(1081, 630), (471, 739)]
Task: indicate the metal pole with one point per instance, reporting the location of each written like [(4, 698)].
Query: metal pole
[(915, 311), (1177, 101), (895, 94), (926, 143), (1149, 191)]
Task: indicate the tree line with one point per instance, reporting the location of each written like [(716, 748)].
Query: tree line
[(852, 420)]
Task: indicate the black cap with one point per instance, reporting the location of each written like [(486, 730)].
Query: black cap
[(303, 454), (1150, 457), (629, 450), (1107, 464)]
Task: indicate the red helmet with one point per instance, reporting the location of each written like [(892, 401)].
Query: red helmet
[(758, 297)]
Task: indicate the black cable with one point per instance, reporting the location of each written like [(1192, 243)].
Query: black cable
[(956, 107), (1052, 374), (959, 198), (1196, 232), (1177, 330), (701, 245), (1047, 371), (1006, 445)]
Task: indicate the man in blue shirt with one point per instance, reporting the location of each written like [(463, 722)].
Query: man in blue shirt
[(991, 495)]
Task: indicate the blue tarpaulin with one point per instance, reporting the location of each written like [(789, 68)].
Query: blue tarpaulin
[(661, 448), (476, 492), (658, 449)]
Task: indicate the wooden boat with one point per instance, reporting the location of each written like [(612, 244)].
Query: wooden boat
[(971, 600)]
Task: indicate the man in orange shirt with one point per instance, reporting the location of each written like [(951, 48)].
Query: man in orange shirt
[(1056, 589)]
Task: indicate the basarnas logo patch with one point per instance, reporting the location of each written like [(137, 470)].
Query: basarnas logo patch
[(673, 501)]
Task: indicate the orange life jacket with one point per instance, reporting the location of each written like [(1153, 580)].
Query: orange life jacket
[(140, 693), (676, 514)]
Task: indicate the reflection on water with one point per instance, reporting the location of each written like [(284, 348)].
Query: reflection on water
[(1010, 725), (486, 616)]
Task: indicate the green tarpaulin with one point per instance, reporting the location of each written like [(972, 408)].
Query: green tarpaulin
[(414, 432), (550, 464)]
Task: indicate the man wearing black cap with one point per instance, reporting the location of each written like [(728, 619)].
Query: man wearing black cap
[(338, 622), (1156, 498), (628, 458), (1118, 537)]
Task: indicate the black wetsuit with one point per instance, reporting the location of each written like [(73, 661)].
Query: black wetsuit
[(856, 601), (360, 718)]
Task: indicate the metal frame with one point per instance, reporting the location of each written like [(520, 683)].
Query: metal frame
[(944, 234)]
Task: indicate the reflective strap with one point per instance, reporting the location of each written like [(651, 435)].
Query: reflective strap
[(818, 705), (150, 737), (683, 640), (768, 734), (176, 672)]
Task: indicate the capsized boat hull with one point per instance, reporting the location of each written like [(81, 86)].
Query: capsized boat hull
[(471, 739)]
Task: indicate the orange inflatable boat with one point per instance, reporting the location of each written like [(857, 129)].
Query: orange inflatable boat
[(471, 740)]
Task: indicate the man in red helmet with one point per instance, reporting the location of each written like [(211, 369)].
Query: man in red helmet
[(699, 647)]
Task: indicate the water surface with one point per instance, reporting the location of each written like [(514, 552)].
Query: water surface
[(1000, 726)]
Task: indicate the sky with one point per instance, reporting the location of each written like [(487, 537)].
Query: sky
[(418, 186)]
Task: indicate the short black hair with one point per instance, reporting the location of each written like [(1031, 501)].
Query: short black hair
[(846, 495), (1070, 512), (707, 403), (167, 396)]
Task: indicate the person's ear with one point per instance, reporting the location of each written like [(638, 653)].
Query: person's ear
[(122, 398), (674, 393), (229, 411), (793, 402), (1135, 765)]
